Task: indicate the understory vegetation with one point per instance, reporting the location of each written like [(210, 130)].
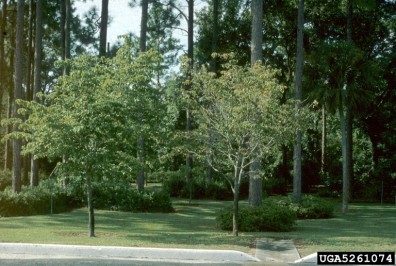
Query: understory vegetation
[(277, 214), (50, 197)]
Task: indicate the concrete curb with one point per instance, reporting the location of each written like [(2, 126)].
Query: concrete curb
[(28, 251)]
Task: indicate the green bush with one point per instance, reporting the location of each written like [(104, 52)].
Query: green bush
[(311, 207), (273, 218), (315, 208), (34, 201), (178, 187), (5, 179), (125, 198)]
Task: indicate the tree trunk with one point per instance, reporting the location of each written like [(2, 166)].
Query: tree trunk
[(255, 181), (8, 146), (62, 27), (235, 213), (9, 84), (299, 71), (2, 60), (29, 70), (67, 38), (215, 34), (2, 36), (103, 28), (34, 178), (257, 31), (213, 67), (345, 163), (348, 123), (324, 139), (91, 214), (140, 176), (17, 143), (190, 54)]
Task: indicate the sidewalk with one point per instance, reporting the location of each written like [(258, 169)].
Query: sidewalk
[(10, 251)]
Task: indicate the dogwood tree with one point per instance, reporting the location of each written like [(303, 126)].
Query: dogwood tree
[(242, 111), (94, 116)]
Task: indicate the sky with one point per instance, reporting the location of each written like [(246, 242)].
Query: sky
[(125, 19)]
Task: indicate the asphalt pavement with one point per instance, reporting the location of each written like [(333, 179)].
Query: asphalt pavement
[(268, 252)]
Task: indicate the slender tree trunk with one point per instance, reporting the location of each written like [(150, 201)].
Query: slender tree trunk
[(2, 60), (91, 214), (9, 84), (324, 139), (29, 86), (213, 67), (62, 27), (103, 28), (215, 34), (67, 33), (143, 26), (235, 214), (255, 181), (256, 53), (34, 177), (8, 153), (29, 76), (140, 144), (17, 143), (349, 113), (299, 71), (190, 54), (345, 164)]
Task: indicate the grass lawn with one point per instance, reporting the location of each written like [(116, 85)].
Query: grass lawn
[(367, 227)]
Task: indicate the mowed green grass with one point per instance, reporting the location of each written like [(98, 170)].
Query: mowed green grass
[(367, 227)]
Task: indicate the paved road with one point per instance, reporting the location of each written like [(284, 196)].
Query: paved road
[(105, 262)]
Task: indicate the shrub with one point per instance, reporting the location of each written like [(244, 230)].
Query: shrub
[(5, 179), (315, 208), (178, 187), (311, 208), (124, 198), (254, 219), (34, 201)]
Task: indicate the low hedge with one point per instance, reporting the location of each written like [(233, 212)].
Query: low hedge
[(5, 179), (123, 197), (258, 219), (311, 207), (216, 190), (277, 214), (34, 201)]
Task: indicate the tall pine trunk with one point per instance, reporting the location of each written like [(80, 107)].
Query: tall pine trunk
[(255, 181), (299, 71), (66, 28), (2, 60), (348, 122), (17, 143), (91, 213), (344, 146), (213, 67), (324, 141), (34, 177), (103, 28), (190, 54), (140, 177), (29, 81), (9, 84)]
